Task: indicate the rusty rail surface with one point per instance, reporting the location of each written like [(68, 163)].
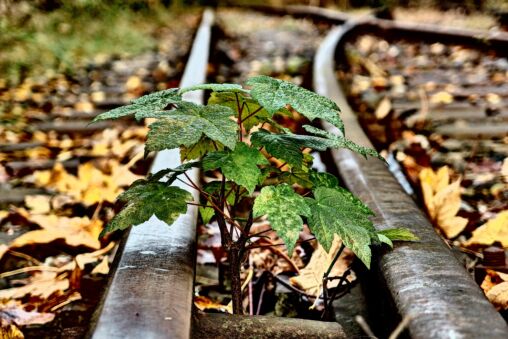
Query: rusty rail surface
[(152, 289), (425, 282)]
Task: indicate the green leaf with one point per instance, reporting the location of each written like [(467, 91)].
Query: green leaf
[(296, 175), (281, 146), (337, 211), (239, 165), (336, 141), (323, 179), (252, 114), (214, 88), (402, 234), (145, 106), (206, 213), (185, 125), (199, 149), (213, 188), (145, 200), (385, 240), (274, 94), (284, 208)]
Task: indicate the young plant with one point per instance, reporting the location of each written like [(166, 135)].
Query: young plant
[(235, 135)]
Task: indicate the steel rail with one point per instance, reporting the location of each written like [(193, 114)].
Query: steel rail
[(425, 282), (151, 293)]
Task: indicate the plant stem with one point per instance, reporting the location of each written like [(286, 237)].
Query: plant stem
[(236, 282)]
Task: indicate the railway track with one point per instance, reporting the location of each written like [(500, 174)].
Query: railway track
[(422, 283)]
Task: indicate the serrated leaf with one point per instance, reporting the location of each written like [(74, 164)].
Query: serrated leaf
[(281, 146), (240, 165), (338, 141), (323, 179), (402, 234), (274, 94), (337, 211), (199, 149), (385, 240), (186, 124), (206, 213), (145, 200), (284, 208), (145, 106), (214, 88), (252, 114)]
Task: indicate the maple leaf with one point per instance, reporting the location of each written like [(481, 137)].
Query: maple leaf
[(442, 200), (495, 229), (252, 113), (498, 295), (281, 146), (145, 106), (337, 211), (185, 125), (224, 87), (330, 140), (284, 208), (323, 179), (199, 149), (240, 165), (74, 231), (310, 278), (274, 94), (145, 199)]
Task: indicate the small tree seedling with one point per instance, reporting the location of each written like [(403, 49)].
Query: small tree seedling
[(236, 135)]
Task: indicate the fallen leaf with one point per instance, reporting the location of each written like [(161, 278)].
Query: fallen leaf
[(441, 98), (498, 296), (38, 204), (74, 231), (16, 314), (10, 331), (41, 284), (103, 267), (3, 249), (204, 303), (442, 200), (504, 170), (383, 108), (310, 278), (495, 229)]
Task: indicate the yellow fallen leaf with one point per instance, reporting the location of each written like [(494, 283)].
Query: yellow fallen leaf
[(383, 108), (495, 229), (504, 170), (38, 204), (3, 249), (204, 303), (310, 278), (41, 285), (442, 200), (498, 296), (441, 98), (10, 331), (103, 267), (74, 231)]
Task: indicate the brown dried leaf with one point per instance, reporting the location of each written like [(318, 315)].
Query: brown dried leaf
[(310, 278), (38, 204), (495, 229), (17, 315), (103, 267), (383, 108), (74, 231), (204, 303), (41, 285), (498, 296), (442, 200)]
